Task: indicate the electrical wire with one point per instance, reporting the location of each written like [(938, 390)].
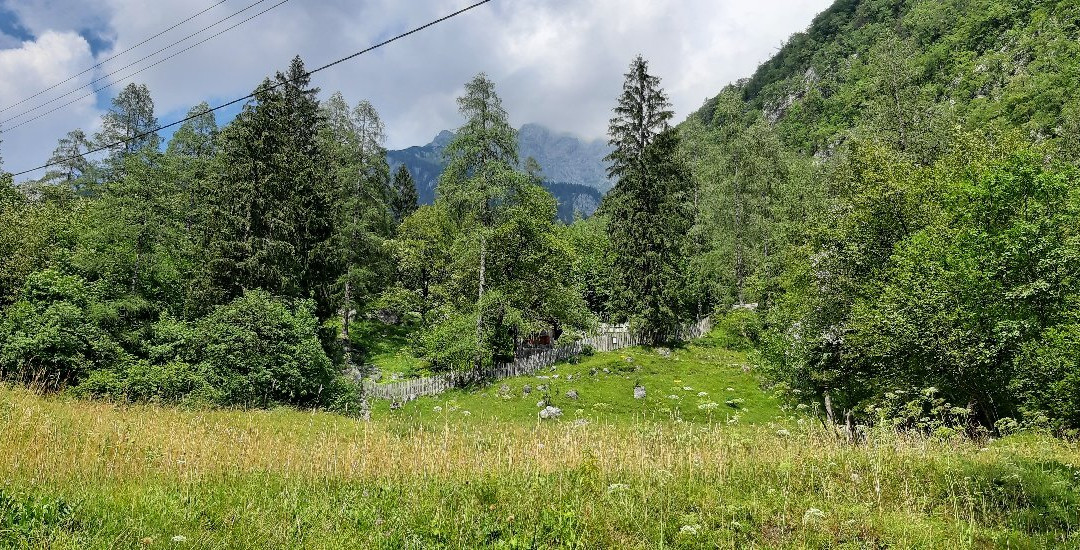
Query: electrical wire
[(104, 61), (252, 95)]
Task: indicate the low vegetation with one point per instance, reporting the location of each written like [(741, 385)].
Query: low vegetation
[(640, 474)]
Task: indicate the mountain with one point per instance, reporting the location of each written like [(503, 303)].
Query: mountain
[(574, 170), (1004, 64)]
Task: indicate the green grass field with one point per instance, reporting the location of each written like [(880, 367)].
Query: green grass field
[(387, 348), (653, 473)]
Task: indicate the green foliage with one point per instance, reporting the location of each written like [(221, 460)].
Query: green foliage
[(48, 338), (1047, 377), (258, 351), (738, 330)]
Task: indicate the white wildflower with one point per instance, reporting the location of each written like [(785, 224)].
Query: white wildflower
[(689, 530), (813, 515)]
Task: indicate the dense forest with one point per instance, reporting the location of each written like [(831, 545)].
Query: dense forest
[(886, 212)]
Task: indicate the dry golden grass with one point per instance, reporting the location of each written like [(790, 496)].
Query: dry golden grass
[(462, 485)]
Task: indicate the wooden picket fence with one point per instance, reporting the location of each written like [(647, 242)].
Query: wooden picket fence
[(608, 338)]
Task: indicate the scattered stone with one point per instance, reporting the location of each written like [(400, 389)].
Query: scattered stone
[(569, 377), (572, 394), (664, 352), (542, 388), (555, 376), (550, 412), (504, 389), (526, 390), (179, 538), (629, 359), (395, 405), (639, 392), (593, 371), (607, 370), (673, 397), (702, 393), (687, 388)]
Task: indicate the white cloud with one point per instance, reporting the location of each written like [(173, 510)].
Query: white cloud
[(32, 66), (557, 62)]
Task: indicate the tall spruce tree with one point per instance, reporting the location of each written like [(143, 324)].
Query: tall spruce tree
[(405, 199), (273, 211), (354, 140), (194, 147), (648, 210)]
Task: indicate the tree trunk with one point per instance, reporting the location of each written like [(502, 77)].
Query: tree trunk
[(479, 310), (345, 324)]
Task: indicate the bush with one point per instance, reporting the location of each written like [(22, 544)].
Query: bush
[(1047, 376), (738, 330), (258, 351), (47, 338)]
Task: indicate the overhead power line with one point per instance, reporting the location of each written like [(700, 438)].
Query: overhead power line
[(132, 64), (252, 95), (104, 61)]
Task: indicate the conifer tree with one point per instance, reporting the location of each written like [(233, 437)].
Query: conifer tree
[(274, 199), (405, 199), (648, 210), (480, 173), (128, 124), (69, 162), (194, 147), (354, 140)]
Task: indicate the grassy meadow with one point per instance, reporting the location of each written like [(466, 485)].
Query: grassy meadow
[(612, 472)]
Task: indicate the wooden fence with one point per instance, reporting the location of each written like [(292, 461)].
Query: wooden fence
[(608, 338)]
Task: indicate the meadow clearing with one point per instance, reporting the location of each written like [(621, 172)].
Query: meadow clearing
[(479, 469)]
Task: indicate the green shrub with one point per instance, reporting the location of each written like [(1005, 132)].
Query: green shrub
[(1047, 376), (259, 351), (738, 330), (47, 338)]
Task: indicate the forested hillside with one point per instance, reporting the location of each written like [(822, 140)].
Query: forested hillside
[(897, 191)]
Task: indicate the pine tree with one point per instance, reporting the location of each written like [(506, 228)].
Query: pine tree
[(194, 147), (405, 199), (354, 140), (274, 199), (648, 209)]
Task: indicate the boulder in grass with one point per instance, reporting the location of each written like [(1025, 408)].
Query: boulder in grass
[(572, 394), (526, 390), (550, 412), (664, 352), (639, 392)]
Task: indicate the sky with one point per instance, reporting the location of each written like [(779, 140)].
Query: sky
[(559, 63)]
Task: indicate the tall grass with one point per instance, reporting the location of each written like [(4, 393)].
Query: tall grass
[(92, 474)]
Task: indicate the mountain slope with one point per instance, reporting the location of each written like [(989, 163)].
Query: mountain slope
[(983, 63)]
